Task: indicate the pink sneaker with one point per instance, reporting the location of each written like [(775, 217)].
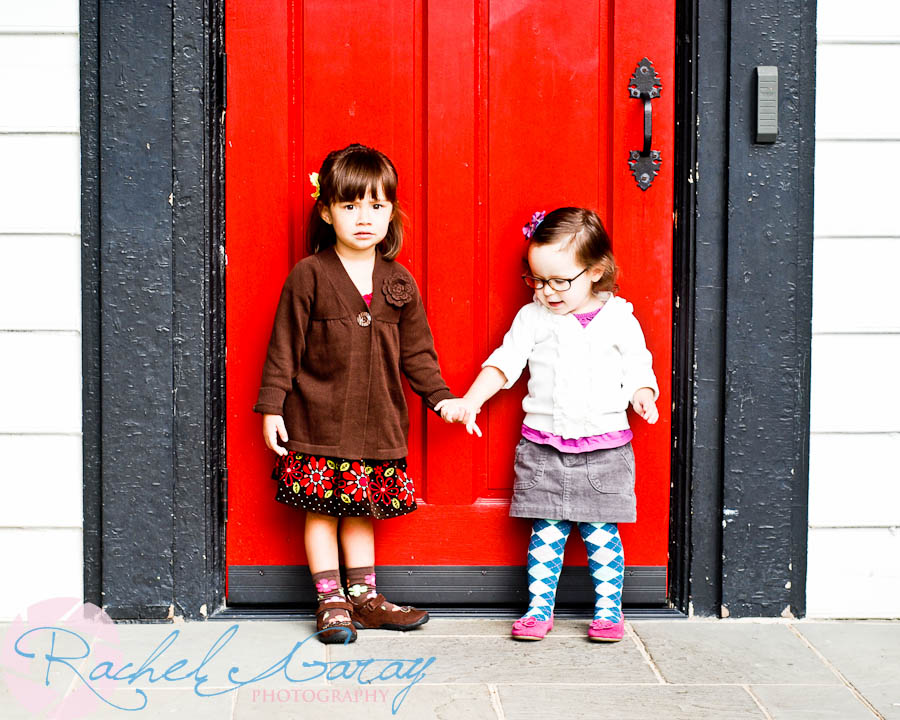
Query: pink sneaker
[(606, 631), (530, 628)]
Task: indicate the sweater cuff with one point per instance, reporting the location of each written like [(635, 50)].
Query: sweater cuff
[(645, 383), (270, 401), (436, 397)]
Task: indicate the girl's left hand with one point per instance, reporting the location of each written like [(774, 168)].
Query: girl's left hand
[(645, 406), (460, 410)]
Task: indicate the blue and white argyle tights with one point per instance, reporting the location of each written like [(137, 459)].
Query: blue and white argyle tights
[(606, 564)]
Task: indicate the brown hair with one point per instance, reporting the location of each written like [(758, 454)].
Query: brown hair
[(585, 230), (347, 175)]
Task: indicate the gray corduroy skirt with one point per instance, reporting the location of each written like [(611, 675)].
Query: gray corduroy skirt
[(596, 486)]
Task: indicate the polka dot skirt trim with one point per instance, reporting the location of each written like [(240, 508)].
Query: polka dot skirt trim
[(344, 488)]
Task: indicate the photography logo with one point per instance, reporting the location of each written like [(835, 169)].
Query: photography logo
[(77, 636)]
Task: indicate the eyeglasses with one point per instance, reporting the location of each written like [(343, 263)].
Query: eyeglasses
[(556, 284)]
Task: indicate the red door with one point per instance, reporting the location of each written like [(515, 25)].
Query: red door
[(490, 111)]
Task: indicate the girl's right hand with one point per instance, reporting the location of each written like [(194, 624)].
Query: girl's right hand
[(460, 410), (274, 425)]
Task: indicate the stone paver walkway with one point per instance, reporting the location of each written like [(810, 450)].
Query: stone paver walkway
[(469, 669)]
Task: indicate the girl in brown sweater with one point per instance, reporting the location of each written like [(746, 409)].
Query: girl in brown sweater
[(349, 322)]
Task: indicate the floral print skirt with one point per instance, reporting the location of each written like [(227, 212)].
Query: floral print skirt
[(343, 487)]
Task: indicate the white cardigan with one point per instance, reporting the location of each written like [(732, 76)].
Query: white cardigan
[(582, 378)]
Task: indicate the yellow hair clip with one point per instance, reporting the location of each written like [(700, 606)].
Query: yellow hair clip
[(314, 179)]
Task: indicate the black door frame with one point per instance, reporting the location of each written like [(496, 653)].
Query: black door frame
[(152, 103), (152, 109)]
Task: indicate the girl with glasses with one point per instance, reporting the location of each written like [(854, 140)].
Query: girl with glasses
[(587, 360)]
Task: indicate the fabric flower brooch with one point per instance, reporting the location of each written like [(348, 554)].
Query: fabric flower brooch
[(529, 227), (398, 290)]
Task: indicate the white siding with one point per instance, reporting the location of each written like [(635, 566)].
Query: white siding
[(40, 383), (26, 304), (854, 465), (41, 563), (841, 109), (39, 17), (45, 497), (861, 21), (41, 72), (854, 487), (40, 183), (855, 195), (855, 285), (852, 384), (40, 305), (853, 572)]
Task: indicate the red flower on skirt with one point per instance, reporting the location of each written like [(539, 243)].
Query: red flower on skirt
[(354, 482), (293, 469), (318, 476), (406, 489), (382, 489)]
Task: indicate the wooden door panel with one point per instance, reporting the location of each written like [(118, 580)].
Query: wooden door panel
[(641, 224), (545, 117), (490, 111)]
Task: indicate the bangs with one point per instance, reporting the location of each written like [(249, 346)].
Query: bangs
[(359, 174), (349, 175), (583, 231)]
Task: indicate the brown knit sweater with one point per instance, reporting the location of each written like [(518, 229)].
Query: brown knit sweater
[(333, 366)]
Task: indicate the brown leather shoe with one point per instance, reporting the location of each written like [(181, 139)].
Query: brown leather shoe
[(331, 630), (377, 614)]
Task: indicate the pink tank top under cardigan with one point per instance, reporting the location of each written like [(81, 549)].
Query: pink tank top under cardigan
[(614, 439)]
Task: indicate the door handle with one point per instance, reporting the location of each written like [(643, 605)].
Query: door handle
[(645, 85)]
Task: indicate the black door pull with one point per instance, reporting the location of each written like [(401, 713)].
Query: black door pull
[(645, 85)]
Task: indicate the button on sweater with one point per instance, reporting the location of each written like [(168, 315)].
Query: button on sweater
[(334, 366)]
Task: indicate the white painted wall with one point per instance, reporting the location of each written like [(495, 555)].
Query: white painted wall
[(40, 305), (854, 467)]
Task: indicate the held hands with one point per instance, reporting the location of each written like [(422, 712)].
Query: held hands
[(464, 410), (644, 405), (460, 410), (272, 425)]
